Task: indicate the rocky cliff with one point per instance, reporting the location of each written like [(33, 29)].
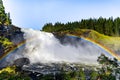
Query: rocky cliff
[(10, 36)]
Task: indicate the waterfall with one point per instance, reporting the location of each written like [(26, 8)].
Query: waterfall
[(43, 47)]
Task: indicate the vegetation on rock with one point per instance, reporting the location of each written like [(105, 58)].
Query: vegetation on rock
[(108, 71), (10, 73)]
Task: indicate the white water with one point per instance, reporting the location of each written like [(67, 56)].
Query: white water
[(45, 48), (42, 47)]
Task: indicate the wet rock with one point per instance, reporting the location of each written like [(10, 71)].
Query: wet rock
[(21, 61)]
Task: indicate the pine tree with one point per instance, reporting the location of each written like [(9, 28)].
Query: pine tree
[(4, 17)]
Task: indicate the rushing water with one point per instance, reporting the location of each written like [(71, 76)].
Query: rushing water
[(42, 47)]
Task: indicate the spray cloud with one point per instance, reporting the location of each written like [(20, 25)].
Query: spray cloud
[(42, 47), (45, 48)]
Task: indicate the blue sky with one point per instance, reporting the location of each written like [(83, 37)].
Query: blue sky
[(35, 13)]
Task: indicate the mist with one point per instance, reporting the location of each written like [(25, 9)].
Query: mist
[(42, 47)]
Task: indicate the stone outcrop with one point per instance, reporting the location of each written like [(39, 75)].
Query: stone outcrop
[(21, 61)]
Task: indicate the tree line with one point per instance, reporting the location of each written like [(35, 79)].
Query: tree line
[(4, 17), (110, 26)]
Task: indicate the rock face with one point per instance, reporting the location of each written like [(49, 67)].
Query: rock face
[(21, 61), (64, 39), (16, 36), (13, 33), (1, 49)]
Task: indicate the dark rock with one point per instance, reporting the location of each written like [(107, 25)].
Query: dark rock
[(65, 39), (21, 61), (1, 49)]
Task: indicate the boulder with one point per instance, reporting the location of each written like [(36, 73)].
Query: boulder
[(21, 61)]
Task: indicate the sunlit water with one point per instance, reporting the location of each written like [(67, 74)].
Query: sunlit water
[(42, 47)]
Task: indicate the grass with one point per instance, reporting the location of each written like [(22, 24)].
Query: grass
[(111, 42), (5, 42), (8, 69)]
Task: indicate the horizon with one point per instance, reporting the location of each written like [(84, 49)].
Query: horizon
[(44, 11)]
